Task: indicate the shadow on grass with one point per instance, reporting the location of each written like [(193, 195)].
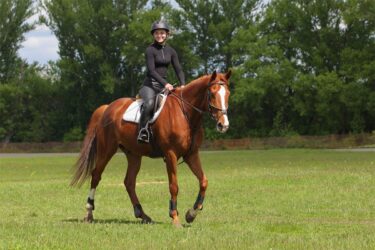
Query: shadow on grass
[(112, 221)]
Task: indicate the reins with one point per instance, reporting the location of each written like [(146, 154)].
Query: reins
[(188, 103), (192, 130), (209, 105)]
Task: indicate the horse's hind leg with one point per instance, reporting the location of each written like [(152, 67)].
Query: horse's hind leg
[(134, 164), (195, 165), (105, 151)]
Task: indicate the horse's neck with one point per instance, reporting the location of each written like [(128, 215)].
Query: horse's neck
[(194, 97), (195, 93)]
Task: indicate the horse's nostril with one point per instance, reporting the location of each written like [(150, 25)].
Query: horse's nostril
[(220, 125)]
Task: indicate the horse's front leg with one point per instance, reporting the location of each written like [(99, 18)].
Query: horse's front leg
[(171, 162), (194, 163), (134, 164)]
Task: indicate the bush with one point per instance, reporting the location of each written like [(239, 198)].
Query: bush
[(75, 134)]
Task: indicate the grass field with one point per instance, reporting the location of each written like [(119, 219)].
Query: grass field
[(272, 199)]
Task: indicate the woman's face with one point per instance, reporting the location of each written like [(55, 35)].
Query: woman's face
[(160, 35)]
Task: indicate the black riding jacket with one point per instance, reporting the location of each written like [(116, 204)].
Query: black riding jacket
[(158, 58)]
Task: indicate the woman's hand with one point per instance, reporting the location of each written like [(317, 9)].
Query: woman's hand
[(169, 86)]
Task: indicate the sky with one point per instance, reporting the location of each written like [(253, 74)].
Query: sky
[(40, 46)]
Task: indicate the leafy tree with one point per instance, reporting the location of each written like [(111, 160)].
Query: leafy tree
[(234, 16), (198, 16), (13, 26), (358, 63), (300, 71), (28, 107), (93, 66)]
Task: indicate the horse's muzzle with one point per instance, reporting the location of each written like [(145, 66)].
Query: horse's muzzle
[(221, 127)]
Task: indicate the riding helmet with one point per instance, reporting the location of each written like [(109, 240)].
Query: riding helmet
[(159, 25)]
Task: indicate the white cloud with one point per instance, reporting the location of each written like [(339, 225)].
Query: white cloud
[(40, 45)]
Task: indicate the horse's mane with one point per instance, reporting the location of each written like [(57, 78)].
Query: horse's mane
[(198, 80), (204, 78)]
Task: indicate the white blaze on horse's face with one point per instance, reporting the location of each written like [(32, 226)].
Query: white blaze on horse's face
[(224, 100), (219, 104)]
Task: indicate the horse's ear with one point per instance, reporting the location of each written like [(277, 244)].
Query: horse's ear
[(213, 76), (228, 74)]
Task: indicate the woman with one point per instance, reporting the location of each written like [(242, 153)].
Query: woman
[(158, 57)]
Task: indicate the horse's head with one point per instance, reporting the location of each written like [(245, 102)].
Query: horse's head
[(218, 95)]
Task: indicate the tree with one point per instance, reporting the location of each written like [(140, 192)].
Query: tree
[(29, 107), (234, 16), (13, 26), (307, 68), (358, 63), (197, 17), (93, 66)]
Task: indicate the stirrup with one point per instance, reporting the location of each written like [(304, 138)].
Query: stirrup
[(143, 136)]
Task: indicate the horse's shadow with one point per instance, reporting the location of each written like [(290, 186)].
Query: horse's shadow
[(112, 221)]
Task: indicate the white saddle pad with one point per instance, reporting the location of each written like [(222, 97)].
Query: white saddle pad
[(133, 112)]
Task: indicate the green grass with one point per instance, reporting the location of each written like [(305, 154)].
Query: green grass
[(272, 199)]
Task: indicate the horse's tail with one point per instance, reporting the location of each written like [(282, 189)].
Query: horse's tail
[(86, 162)]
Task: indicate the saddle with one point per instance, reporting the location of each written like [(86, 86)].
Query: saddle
[(133, 112)]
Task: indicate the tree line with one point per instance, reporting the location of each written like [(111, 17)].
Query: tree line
[(300, 66)]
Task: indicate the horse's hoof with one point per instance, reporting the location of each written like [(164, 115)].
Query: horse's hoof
[(146, 220), (190, 215), (89, 218)]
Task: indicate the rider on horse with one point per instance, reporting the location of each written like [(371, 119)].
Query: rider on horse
[(158, 57)]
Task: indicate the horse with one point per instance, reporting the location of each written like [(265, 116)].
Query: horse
[(178, 133)]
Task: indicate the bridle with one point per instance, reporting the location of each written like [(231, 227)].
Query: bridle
[(210, 107)]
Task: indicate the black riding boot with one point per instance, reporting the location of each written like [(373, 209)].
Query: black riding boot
[(144, 134), (148, 95)]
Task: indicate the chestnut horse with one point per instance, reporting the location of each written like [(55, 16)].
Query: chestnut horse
[(177, 133)]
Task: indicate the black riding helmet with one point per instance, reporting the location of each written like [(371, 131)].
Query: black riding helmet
[(159, 25)]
